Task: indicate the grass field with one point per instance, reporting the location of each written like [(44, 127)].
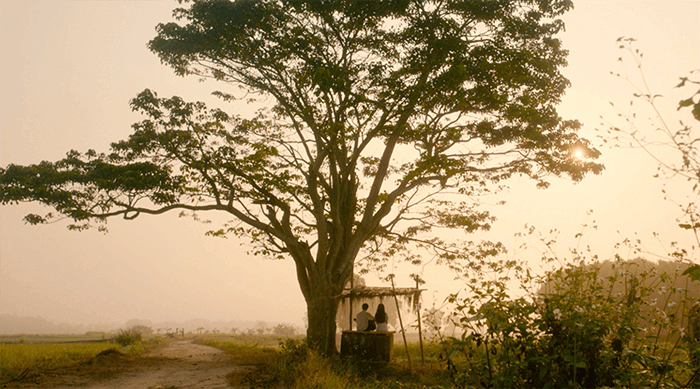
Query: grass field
[(20, 359), (23, 355)]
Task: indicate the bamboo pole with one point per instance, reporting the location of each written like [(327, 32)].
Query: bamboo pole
[(352, 287), (420, 328), (403, 331)]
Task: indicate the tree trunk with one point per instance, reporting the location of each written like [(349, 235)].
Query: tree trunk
[(321, 310), (322, 291)]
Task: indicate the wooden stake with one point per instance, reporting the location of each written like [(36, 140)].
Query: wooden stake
[(352, 287), (403, 332), (420, 328)]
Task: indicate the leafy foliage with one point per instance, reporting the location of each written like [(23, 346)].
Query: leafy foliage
[(582, 325), (284, 329), (128, 337)]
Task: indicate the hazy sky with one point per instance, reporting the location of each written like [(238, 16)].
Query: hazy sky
[(69, 68)]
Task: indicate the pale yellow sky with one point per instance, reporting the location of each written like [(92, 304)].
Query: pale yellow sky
[(68, 70)]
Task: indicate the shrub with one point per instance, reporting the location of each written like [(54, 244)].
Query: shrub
[(128, 337), (293, 351), (285, 330), (298, 366), (573, 328), (142, 329)]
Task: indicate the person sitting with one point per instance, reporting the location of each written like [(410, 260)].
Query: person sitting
[(381, 319), (365, 320)]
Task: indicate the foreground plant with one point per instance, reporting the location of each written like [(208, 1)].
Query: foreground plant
[(585, 324)]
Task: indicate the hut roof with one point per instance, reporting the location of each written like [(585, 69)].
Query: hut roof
[(360, 292)]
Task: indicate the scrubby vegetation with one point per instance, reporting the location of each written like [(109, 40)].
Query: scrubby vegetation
[(575, 327), (297, 366), (300, 367), (128, 337)]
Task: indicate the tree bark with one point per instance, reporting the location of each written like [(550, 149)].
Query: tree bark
[(321, 310)]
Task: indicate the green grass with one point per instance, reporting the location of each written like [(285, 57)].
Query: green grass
[(314, 371), (15, 359), (241, 353), (265, 340), (423, 373), (430, 353)]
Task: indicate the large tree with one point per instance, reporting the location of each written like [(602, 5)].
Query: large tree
[(382, 113)]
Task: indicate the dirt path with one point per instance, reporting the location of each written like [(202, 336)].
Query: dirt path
[(180, 364)]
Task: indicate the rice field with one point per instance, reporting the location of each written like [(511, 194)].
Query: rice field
[(20, 359)]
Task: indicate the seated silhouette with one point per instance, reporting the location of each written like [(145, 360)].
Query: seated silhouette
[(381, 318), (365, 320)]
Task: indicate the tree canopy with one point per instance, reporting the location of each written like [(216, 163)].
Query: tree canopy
[(383, 113)]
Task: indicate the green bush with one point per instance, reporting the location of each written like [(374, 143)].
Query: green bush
[(573, 328), (286, 330), (128, 337), (293, 351)]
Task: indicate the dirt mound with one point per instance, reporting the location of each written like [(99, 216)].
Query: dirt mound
[(109, 359), (109, 352)]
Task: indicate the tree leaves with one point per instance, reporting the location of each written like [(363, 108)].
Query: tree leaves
[(693, 272)]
